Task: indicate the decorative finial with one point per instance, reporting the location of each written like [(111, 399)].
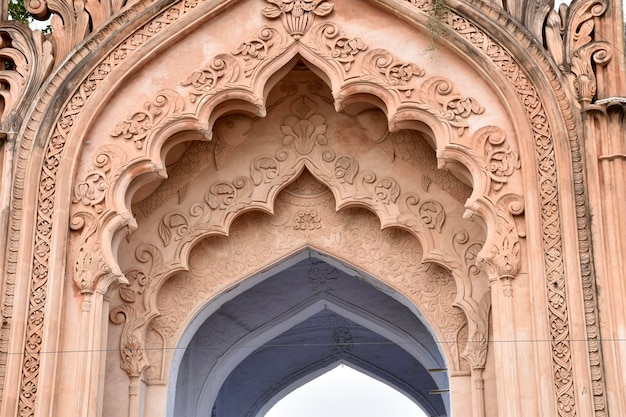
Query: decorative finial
[(297, 15)]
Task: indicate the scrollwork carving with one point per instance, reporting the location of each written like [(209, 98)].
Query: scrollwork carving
[(583, 62), (90, 266), (454, 108), (387, 190), (432, 214), (338, 46), (28, 57), (139, 125), (91, 191), (222, 70), (172, 227), (346, 169), (264, 170), (504, 256), (257, 50), (570, 38), (137, 281), (500, 160), (223, 195), (393, 73)]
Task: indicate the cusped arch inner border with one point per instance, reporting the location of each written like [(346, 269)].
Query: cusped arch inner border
[(547, 172), (401, 270)]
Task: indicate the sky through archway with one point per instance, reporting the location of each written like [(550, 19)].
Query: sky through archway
[(345, 392)]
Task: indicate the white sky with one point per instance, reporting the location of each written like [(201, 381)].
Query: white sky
[(345, 392)]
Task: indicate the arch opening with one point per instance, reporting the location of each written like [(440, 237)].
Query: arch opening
[(247, 152), (294, 325)]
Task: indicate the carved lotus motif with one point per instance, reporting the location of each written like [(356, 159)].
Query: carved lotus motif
[(305, 128), (297, 15)]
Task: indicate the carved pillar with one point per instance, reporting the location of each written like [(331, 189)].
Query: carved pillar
[(476, 354), (503, 265), (605, 150), (92, 277), (504, 332)]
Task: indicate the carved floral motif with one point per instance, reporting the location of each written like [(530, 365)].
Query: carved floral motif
[(46, 206), (454, 108), (172, 227), (297, 15), (394, 73), (137, 281), (393, 255), (339, 47), (308, 219), (432, 214), (346, 169), (214, 78), (140, 124), (90, 192), (571, 40), (306, 127), (257, 50), (133, 360), (387, 190), (500, 160)]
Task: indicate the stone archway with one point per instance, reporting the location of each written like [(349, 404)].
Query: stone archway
[(101, 158)]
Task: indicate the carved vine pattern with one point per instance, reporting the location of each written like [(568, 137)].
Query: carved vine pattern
[(140, 124), (31, 55), (46, 198)]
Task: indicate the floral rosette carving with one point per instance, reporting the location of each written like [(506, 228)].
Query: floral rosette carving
[(305, 128), (297, 15)]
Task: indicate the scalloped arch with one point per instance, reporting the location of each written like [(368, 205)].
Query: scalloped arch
[(550, 80)]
